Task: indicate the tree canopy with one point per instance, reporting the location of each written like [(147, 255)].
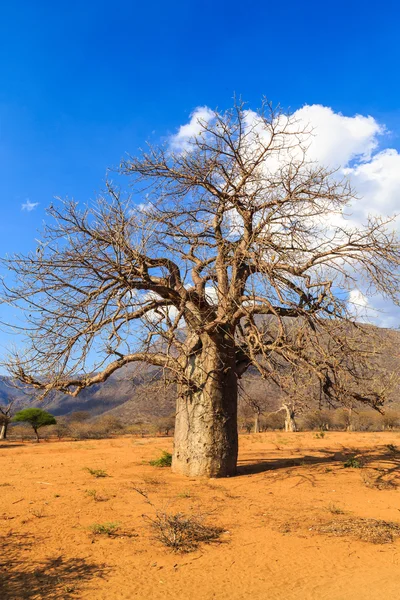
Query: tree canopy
[(36, 417)]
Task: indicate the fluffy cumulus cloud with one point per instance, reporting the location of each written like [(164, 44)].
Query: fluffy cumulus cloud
[(181, 140), (28, 206), (336, 139), (350, 144)]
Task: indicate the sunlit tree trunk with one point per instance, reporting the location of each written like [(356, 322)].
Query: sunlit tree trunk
[(349, 420), (257, 422), (206, 438), (290, 422), (3, 431)]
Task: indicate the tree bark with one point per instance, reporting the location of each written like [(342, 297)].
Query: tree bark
[(3, 431), (290, 423), (37, 434), (257, 423), (206, 437), (350, 420)]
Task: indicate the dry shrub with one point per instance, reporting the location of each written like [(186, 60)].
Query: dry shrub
[(140, 429), (320, 420), (273, 421), (21, 432), (367, 530), (391, 419), (182, 533), (377, 482), (178, 531)]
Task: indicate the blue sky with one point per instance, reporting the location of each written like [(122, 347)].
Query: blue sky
[(83, 82)]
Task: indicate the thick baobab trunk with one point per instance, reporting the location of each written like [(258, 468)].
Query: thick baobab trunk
[(3, 431), (290, 423), (206, 437)]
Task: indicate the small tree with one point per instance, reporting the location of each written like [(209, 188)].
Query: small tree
[(258, 396), (36, 417), (165, 424)]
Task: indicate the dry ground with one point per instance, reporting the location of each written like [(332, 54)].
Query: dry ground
[(289, 487)]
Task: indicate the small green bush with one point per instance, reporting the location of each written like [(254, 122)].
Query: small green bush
[(104, 528), (165, 460), (353, 463), (97, 472)]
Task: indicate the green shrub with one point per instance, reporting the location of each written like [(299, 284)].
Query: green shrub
[(96, 472), (165, 460), (104, 528), (353, 463)]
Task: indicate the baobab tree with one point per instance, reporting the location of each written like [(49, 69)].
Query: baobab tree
[(5, 417), (201, 268)]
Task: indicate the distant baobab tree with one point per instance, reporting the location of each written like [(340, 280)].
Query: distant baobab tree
[(232, 251)]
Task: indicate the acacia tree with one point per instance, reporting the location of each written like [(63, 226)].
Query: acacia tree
[(202, 269), (36, 417)]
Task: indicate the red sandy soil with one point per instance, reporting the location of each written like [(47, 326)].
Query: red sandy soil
[(287, 485)]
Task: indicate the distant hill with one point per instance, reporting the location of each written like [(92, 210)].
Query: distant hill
[(125, 386)]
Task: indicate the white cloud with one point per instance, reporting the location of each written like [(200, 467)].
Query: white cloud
[(377, 183), (374, 309), (349, 144), (338, 139), (29, 206), (359, 306), (180, 142)]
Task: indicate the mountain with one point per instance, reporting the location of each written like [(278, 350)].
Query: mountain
[(127, 385)]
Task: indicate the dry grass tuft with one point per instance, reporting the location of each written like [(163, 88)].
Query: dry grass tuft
[(378, 483), (367, 530), (182, 533), (335, 510), (178, 531)]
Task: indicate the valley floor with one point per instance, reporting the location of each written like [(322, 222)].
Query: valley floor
[(289, 486)]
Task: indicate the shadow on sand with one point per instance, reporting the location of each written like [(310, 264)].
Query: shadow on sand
[(11, 445), (390, 460), (54, 578)]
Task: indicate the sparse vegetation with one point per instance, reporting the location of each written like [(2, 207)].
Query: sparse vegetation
[(178, 531), (353, 463), (185, 494), (98, 473), (109, 529), (335, 510), (368, 530), (153, 481), (182, 533), (165, 460), (96, 497)]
